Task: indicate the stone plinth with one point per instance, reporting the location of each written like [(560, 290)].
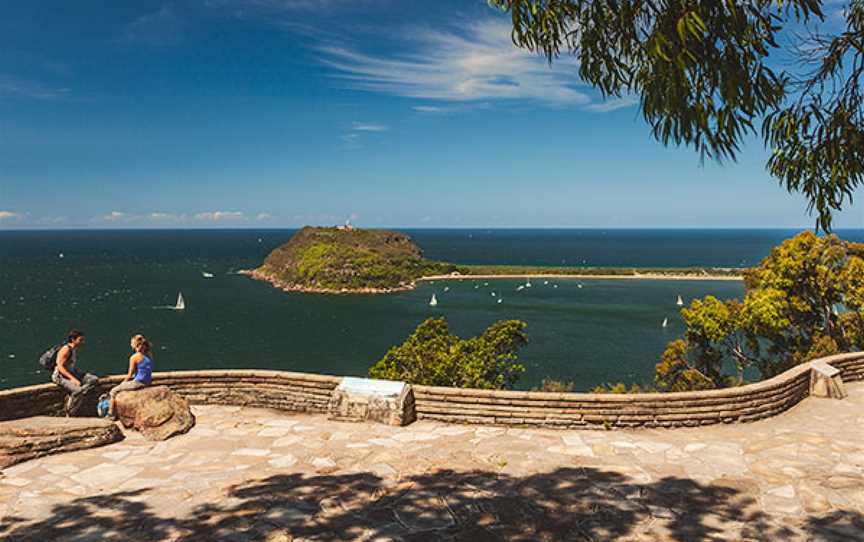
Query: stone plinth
[(29, 438), (825, 381), (365, 399)]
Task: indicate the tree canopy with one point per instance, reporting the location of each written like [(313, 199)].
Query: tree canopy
[(708, 73), (435, 357), (804, 301)]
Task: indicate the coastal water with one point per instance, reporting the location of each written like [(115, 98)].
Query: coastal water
[(113, 284)]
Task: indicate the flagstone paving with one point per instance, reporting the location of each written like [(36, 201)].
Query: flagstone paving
[(253, 474)]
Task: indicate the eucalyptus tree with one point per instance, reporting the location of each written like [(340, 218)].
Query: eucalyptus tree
[(709, 74)]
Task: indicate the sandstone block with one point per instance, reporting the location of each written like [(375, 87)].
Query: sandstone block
[(29, 438), (156, 412)]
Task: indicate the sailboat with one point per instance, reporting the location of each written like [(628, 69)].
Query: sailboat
[(500, 299), (207, 275), (680, 301), (520, 287), (528, 282), (446, 288), (433, 302), (665, 322), (181, 303)]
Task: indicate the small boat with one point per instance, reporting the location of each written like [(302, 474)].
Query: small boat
[(554, 285), (181, 303), (679, 301), (528, 283), (485, 284), (434, 301), (446, 288), (579, 286), (207, 275), (60, 255), (545, 282), (665, 322), (493, 294), (476, 286), (500, 299), (520, 287)]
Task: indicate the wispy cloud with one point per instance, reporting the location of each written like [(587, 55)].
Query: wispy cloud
[(475, 62), (16, 87), (163, 218), (9, 215), (115, 216), (369, 127), (220, 216), (309, 6), (158, 29), (611, 104)]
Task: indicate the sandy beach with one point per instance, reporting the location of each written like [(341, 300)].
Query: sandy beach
[(645, 276)]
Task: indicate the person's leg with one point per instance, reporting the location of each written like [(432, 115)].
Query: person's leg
[(128, 385)]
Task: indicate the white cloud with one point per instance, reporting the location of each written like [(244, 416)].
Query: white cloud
[(219, 216), (115, 216), (264, 216), (369, 127), (9, 215), (157, 216), (157, 29), (611, 104), (475, 62)]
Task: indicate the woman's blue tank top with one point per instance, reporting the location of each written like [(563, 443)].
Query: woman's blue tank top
[(144, 370)]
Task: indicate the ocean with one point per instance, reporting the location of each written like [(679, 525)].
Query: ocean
[(113, 284)]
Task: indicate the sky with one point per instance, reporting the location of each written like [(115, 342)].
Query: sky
[(281, 113)]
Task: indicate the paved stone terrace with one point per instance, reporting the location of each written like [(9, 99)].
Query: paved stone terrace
[(252, 474)]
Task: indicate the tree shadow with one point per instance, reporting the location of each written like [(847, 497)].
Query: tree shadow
[(579, 503)]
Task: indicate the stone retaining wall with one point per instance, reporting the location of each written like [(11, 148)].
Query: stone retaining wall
[(298, 392), (303, 392), (577, 410)]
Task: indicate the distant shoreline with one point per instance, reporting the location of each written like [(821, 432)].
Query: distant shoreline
[(634, 275), (584, 276)]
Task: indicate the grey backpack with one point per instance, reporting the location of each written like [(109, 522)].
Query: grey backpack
[(48, 360)]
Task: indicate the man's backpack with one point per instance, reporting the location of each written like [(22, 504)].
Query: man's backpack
[(48, 360)]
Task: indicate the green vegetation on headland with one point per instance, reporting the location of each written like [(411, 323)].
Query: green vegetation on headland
[(636, 272), (347, 260)]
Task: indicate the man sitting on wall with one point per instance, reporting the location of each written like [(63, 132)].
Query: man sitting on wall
[(68, 377)]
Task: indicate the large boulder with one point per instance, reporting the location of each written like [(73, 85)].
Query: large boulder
[(157, 412), (29, 438)]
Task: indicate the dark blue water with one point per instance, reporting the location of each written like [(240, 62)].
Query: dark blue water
[(113, 284)]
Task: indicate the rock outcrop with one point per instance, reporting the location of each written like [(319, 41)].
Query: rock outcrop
[(29, 438), (156, 412)]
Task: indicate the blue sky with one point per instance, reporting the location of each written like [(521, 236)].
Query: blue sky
[(280, 113)]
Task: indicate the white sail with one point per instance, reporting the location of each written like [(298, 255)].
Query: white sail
[(434, 301), (665, 322), (528, 282), (181, 303), (680, 301), (207, 275)]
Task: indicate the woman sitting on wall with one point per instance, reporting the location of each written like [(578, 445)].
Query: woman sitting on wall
[(140, 370)]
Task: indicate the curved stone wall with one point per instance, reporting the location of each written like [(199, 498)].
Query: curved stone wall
[(299, 392), (303, 392), (578, 410)]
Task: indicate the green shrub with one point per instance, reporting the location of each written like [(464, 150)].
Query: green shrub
[(435, 357)]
